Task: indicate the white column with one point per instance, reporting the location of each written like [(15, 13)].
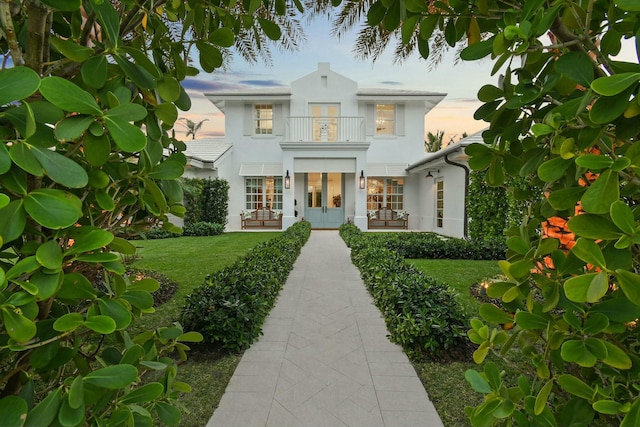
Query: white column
[(288, 197), (360, 219)]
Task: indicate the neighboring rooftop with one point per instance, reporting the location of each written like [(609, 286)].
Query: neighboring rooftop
[(204, 153)]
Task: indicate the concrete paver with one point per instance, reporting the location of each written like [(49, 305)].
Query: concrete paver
[(324, 359)]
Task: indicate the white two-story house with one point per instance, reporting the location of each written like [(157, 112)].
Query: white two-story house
[(324, 150)]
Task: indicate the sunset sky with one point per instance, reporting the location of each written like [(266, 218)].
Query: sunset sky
[(454, 114)]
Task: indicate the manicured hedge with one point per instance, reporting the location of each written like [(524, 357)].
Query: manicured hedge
[(421, 313), (433, 246), (229, 308), (203, 228)]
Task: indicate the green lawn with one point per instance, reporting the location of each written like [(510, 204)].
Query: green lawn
[(445, 382), (186, 261)]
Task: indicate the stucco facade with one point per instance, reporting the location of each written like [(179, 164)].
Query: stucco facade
[(302, 151)]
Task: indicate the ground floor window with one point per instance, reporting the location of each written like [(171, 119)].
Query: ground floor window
[(263, 192), (385, 193), (439, 203)]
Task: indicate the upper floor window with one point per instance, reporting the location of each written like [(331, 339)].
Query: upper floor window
[(385, 119), (263, 119)]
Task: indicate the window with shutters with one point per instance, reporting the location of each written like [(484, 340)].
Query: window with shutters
[(385, 119), (263, 114)]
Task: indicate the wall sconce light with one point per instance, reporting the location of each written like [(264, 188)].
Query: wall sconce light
[(362, 182), (287, 180), (429, 175)]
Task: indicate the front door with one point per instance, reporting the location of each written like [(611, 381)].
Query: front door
[(324, 205), (325, 122)]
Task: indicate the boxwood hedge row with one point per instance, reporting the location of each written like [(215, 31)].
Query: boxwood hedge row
[(229, 308), (421, 313)]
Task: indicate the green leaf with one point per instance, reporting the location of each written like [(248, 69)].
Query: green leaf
[(72, 127), (616, 357), (112, 377), (477, 50), (116, 311), (49, 255), (588, 251), (76, 288), (14, 411), (594, 162), (68, 322), (615, 84), (630, 284), (53, 208), (67, 96), (61, 169), (87, 239), (146, 393), (97, 149), (64, 5), (122, 246), (127, 136), (68, 416), (577, 66), (76, 393), (168, 414), (71, 49), (528, 320), (222, 37), (138, 75), (166, 112), (576, 387), (602, 193), (129, 112), (477, 381), (565, 198), (169, 89), (554, 169), (17, 84), (489, 93), (632, 419), (101, 324), (576, 351), (622, 217), (608, 108), (609, 407), (631, 6), (210, 56), (105, 201), (541, 398), (589, 287), (4, 200), (5, 159), (594, 227), (13, 219), (493, 314), (46, 411), (108, 19), (167, 170), (190, 337), (19, 328), (23, 157), (94, 71)]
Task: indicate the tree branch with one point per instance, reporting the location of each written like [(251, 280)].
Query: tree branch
[(9, 32)]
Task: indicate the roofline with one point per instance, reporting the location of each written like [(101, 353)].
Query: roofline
[(456, 146)]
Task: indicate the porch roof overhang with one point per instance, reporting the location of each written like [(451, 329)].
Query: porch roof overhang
[(261, 169), (206, 153), (386, 169)]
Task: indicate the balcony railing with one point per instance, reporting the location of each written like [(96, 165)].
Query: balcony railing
[(324, 129)]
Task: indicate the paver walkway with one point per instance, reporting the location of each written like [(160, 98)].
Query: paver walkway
[(324, 359)]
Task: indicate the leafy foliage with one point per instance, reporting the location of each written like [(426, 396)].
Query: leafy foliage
[(88, 91), (487, 208), (422, 314), (203, 228), (229, 308), (565, 117), (207, 200)]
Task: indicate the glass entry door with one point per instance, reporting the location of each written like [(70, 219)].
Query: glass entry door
[(324, 206), (325, 122)]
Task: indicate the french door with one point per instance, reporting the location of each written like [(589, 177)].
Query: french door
[(324, 207), (324, 122)]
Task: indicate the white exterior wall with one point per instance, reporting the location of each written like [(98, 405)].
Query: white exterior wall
[(323, 86)]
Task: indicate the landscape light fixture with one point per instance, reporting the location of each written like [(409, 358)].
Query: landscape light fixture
[(362, 180), (287, 180)]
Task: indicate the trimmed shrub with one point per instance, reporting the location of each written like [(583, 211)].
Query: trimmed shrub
[(203, 228), (229, 308), (158, 233), (422, 314)]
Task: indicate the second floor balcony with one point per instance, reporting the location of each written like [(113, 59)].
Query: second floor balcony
[(324, 129)]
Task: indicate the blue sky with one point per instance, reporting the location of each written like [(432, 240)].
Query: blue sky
[(454, 115)]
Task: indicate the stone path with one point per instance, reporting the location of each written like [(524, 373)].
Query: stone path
[(324, 359)]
